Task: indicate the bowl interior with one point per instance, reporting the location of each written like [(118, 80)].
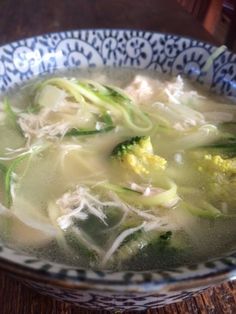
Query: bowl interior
[(215, 68)]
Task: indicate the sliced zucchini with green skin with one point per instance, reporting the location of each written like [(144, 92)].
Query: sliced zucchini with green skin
[(223, 146), (32, 108), (161, 252), (103, 94), (3, 168), (132, 244), (137, 243), (137, 198), (105, 119), (9, 175), (104, 97), (11, 115), (88, 255), (205, 211), (81, 132), (9, 178), (69, 86)]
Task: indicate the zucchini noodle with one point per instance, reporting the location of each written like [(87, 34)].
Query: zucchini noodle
[(164, 198), (218, 51), (82, 90)]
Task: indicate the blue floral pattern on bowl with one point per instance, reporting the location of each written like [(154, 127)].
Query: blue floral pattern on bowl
[(22, 60), (26, 59)]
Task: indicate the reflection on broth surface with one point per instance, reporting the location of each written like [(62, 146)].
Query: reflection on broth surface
[(118, 169)]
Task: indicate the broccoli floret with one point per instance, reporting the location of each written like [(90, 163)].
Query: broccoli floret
[(220, 176), (218, 164), (137, 153)]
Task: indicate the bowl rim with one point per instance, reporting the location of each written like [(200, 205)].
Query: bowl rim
[(174, 285), (142, 283)]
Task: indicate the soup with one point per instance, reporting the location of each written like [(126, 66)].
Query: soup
[(117, 169)]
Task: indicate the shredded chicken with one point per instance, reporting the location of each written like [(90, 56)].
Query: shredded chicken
[(146, 226), (79, 204), (175, 90), (36, 126), (172, 100), (52, 120), (143, 89)]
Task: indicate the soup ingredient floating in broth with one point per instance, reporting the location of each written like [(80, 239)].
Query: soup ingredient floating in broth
[(105, 177), (76, 108), (137, 153)]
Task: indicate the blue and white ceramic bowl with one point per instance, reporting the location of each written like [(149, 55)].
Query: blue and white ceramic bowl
[(22, 60)]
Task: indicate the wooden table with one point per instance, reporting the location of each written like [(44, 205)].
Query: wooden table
[(23, 18)]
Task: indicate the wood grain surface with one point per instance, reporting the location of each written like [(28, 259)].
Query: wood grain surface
[(18, 299), (24, 18)]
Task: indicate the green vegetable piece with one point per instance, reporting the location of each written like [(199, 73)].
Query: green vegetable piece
[(106, 118), (206, 210), (135, 248), (76, 243), (105, 97), (108, 126), (9, 178), (162, 251), (209, 62), (3, 168), (127, 146), (118, 95), (137, 154), (33, 108), (165, 198), (166, 236), (131, 245), (9, 112), (103, 94), (11, 115), (218, 174), (224, 147), (81, 132)]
